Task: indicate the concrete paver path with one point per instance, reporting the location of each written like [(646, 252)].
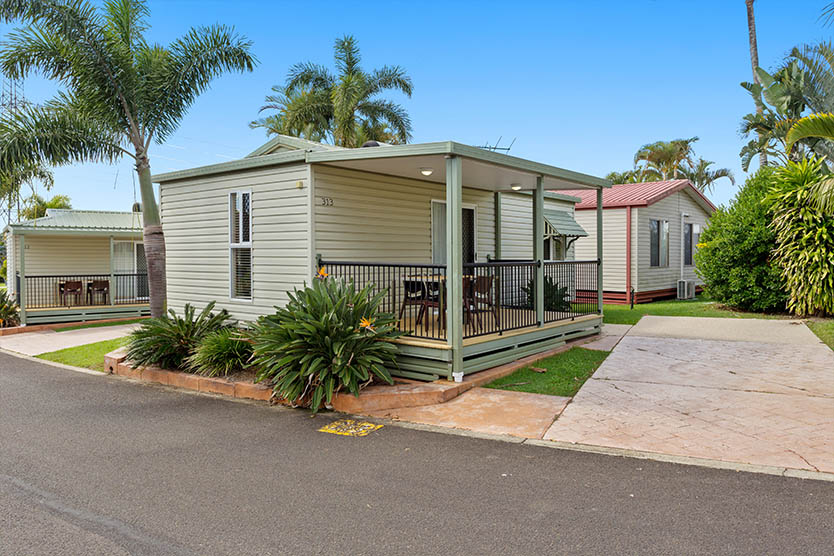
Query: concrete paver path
[(742, 390), (43, 341)]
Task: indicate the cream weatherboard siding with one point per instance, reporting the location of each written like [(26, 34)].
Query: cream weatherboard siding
[(657, 278), (517, 224), (360, 216), (195, 217), (613, 245)]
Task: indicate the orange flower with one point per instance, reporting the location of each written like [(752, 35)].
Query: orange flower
[(322, 273), (367, 324)]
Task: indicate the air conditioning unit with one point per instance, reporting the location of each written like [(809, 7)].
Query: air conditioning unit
[(686, 289)]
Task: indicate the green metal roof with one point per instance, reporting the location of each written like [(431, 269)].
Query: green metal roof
[(75, 221), (290, 143), (564, 223)]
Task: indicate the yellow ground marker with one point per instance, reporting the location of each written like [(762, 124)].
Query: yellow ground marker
[(350, 427)]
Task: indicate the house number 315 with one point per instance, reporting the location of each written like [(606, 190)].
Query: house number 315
[(326, 202)]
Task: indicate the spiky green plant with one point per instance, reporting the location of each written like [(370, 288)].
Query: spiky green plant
[(9, 312), (556, 297), (223, 352), (168, 341), (329, 337), (804, 238)]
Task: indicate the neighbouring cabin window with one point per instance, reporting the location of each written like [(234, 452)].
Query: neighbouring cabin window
[(659, 239), (240, 244), (687, 244)]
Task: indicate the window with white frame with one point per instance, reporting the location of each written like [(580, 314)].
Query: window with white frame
[(659, 242), (240, 244)]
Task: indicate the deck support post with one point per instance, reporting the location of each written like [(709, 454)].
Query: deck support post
[(599, 250), (21, 268), (454, 262), (538, 247), (111, 288), (496, 203)]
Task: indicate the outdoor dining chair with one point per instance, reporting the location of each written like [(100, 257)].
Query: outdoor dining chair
[(70, 289), (98, 287)]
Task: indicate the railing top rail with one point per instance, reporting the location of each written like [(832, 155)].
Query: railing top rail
[(392, 265), (492, 264), (586, 261), (79, 275)]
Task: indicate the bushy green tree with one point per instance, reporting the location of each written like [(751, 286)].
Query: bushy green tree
[(804, 238), (734, 255)]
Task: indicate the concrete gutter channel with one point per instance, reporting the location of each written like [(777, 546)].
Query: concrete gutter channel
[(254, 393)]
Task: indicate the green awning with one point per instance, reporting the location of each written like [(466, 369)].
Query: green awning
[(563, 224)]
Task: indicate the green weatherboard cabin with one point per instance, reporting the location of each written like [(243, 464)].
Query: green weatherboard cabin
[(475, 249)]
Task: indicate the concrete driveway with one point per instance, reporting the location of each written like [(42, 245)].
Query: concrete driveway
[(43, 341), (742, 390)]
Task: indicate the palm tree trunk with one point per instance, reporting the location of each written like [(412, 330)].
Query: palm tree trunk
[(754, 59), (154, 240)]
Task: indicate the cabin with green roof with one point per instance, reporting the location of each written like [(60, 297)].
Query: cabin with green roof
[(77, 265)]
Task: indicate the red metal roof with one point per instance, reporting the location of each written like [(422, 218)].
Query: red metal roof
[(634, 194)]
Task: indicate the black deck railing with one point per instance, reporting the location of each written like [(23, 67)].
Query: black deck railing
[(75, 290), (498, 296)]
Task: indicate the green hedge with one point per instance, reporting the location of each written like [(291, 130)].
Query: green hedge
[(735, 253)]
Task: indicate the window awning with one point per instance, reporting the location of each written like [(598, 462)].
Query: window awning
[(562, 223)]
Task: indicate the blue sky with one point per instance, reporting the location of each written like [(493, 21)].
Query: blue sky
[(579, 85)]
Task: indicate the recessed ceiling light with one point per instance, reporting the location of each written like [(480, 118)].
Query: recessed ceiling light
[(427, 171), (515, 186)]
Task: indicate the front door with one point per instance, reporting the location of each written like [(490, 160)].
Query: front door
[(438, 233), (130, 271)]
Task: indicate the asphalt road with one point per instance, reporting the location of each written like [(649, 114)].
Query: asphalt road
[(100, 465)]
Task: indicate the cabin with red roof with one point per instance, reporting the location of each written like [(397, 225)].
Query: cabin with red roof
[(650, 235)]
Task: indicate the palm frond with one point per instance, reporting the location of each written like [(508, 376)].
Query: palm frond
[(346, 53), (196, 59), (815, 125), (390, 77), (307, 75)]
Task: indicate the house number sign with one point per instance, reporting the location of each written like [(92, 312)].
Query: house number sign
[(326, 202)]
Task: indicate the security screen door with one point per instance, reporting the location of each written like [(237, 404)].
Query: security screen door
[(438, 235)]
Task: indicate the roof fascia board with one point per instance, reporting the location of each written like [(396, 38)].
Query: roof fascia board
[(74, 232), (584, 180), (450, 147), (231, 166)]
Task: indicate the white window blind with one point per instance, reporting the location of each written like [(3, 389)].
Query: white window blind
[(240, 244)]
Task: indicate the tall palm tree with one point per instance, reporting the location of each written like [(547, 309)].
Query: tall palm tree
[(663, 159), (817, 126), (36, 206), (704, 178), (754, 59), (345, 107), (122, 92)]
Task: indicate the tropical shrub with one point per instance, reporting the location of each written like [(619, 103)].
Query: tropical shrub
[(222, 352), (804, 238), (556, 297), (329, 337), (734, 256), (168, 341), (9, 312)]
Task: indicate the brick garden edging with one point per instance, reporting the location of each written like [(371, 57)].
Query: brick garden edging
[(115, 363), (22, 329)]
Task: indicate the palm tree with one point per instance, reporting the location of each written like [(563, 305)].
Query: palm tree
[(122, 92), (314, 128), (14, 176), (344, 108), (817, 126), (628, 176), (36, 206), (702, 177), (754, 60), (662, 160)]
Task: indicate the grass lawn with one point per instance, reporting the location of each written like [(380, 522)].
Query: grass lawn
[(701, 306), (566, 373), (98, 324), (824, 329), (89, 356)]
